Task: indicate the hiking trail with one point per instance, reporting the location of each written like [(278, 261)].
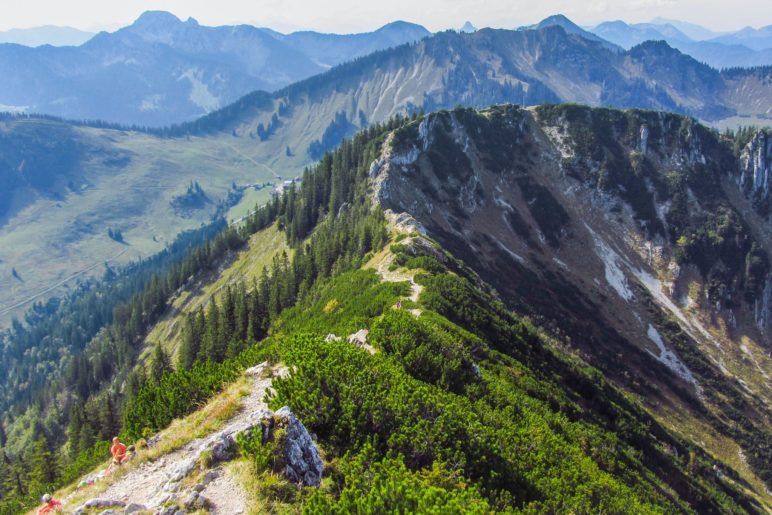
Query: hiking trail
[(151, 484)]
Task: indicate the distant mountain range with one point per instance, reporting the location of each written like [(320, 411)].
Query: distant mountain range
[(161, 70), (748, 47), (46, 35)]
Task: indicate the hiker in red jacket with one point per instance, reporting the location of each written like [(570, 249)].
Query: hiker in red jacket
[(118, 450), (50, 505)]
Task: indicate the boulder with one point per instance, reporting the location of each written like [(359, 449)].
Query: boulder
[(210, 476), (359, 337), (302, 463), (191, 500), (224, 448), (183, 470), (134, 507)]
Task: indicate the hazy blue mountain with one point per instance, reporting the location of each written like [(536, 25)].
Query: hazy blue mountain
[(713, 52), (570, 27), (328, 50), (757, 39), (46, 35), (468, 27), (694, 31), (721, 55), (627, 36), (161, 70)]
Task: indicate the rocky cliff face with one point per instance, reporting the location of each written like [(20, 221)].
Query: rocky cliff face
[(623, 231), (756, 170)]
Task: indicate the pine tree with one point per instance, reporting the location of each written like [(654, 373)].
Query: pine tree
[(17, 477), (190, 344), (87, 436), (110, 422), (211, 332), (226, 327), (134, 383), (44, 468), (74, 428), (241, 313), (159, 365)]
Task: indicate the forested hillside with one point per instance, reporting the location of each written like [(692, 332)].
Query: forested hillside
[(464, 398), (76, 400)]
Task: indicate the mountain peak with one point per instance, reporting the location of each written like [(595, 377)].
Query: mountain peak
[(402, 25), (468, 27), (560, 20), (157, 19)]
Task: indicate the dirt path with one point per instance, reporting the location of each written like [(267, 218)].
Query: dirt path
[(226, 496), (152, 483), (395, 276)]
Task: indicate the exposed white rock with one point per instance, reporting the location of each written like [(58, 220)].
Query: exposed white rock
[(762, 310), (424, 131), (668, 357), (644, 138), (615, 277), (376, 166), (756, 166), (405, 158), (520, 259)]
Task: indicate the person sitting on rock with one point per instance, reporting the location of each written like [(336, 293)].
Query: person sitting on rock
[(118, 450), (50, 505)]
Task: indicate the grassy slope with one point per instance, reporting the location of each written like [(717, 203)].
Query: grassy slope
[(49, 240), (247, 265)]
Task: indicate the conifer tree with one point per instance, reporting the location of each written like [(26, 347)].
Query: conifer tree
[(241, 313), (44, 468), (110, 422), (74, 428), (226, 326), (190, 343), (159, 364), (209, 345)]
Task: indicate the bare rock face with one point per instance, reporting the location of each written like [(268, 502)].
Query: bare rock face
[(302, 463), (756, 167)]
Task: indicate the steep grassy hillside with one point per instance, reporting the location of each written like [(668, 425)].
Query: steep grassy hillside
[(245, 267), (66, 187)]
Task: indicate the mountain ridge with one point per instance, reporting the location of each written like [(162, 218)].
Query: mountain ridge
[(716, 52), (270, 135), (170, 71), (509, 252)]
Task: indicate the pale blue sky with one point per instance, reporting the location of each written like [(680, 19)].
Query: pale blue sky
[(361, 15)]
